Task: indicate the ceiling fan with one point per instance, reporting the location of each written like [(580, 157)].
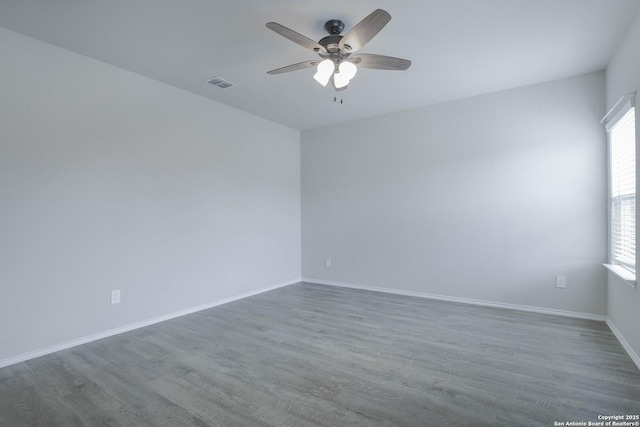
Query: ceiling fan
[(336, 51)]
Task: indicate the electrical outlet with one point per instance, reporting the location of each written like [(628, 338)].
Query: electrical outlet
[(561, 282), (115, 297), (327, 262)]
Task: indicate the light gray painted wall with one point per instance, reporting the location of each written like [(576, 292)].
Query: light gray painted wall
[(623, 76), (486, 198), (110, 180)]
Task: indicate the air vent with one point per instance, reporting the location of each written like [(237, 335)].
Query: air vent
[(220, 82)]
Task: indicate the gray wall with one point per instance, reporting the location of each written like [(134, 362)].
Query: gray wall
[(623, 76), (110, 180), (487, 198)]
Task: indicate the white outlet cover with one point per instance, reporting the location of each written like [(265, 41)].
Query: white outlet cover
[(561, 281), (115, 297), (327, 262)]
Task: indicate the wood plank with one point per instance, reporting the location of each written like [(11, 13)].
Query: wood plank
[(315, 355)]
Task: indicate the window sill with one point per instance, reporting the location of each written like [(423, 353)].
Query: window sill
[(627, 276)]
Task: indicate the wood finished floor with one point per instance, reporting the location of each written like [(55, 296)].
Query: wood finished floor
[(313, 355)]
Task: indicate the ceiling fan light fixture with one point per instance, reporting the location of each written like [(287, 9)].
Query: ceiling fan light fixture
[(324, 71), (348, 69), (340, 81)]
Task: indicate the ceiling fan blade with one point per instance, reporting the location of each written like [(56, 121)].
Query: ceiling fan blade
[(294, 67), (365, 30), (379, 62), (295, 37)]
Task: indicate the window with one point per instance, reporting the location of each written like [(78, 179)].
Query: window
[(622, 142), (620, 125)]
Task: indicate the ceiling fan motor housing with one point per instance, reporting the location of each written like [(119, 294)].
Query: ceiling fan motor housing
[(331, 42)]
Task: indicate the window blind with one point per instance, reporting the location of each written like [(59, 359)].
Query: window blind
[(623, 190)]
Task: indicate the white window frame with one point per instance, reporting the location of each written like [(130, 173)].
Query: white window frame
[(623, 270)]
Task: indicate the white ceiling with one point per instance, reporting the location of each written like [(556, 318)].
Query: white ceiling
[(459, 48)]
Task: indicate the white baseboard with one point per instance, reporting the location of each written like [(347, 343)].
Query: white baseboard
[(518, 307), (130, 327), (632, 354)]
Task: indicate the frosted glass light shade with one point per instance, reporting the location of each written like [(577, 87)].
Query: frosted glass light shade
[(325, 69), (339, 80), (348, 70)]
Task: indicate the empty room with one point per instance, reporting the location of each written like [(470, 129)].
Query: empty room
[(337, 213)]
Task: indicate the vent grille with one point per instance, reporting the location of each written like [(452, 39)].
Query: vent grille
[(220, 82)]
